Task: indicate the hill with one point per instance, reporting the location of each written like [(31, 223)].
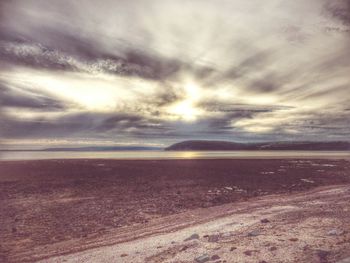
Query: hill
[(200, 145)]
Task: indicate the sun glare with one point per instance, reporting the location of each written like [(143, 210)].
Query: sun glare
[(186, 109)]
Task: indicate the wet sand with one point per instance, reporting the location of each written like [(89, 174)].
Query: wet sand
[(55, 207)]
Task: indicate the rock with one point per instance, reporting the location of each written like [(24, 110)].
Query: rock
[(273, 248), (124, 255), (250, 252), (194, 236), (253, 233), (217, 248), (213, 238), (184, 248), (233, 248), (215, 257), (335, 232), (228, 188), (227, 234), (293, 239), (345, 260), (262, 261), (322, 255), (203, 258), (264, 221)]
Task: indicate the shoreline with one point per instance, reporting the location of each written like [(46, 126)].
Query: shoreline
[(170, 155)]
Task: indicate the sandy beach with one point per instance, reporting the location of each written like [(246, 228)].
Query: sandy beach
[(175, 210)]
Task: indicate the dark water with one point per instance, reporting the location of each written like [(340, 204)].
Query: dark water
[(30, 155)]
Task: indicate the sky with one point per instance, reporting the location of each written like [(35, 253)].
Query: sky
[(155, 72)]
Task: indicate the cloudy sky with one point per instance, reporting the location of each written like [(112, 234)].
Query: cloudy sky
[(154, 72)]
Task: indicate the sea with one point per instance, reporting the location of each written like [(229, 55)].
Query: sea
[(159, 155)]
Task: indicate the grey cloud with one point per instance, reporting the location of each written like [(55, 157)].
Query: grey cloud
[(19, 98), (339, 9), (85, 124), (132, 63)]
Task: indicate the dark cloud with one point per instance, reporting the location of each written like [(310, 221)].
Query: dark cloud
[(84, 125), (131, 63), (218, 106), (340, 10)]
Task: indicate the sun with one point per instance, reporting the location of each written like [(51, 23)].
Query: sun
[(186, 109)]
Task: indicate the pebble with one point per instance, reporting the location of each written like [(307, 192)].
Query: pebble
[(213, 238), (322, 254), (215, 257), (184, 248), (227, 234), (264, 221), (233, 248), (254, 233), (124, 255), (194, 236), (273, 248), (335, 232), (203, 258)]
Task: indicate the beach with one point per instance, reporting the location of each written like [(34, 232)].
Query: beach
[(75, 210)]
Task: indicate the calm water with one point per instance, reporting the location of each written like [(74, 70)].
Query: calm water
[(173, 155)]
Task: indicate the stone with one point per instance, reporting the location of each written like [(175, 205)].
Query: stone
[(293, 239), (233, 248), (335, 232), (192, 237), (250, 252), (264, 221), (227, 234), (184, 248), (273, 248), (213, 238), (124, 255), (322, 254), (253, 233), (202, 259), (215, 257)]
